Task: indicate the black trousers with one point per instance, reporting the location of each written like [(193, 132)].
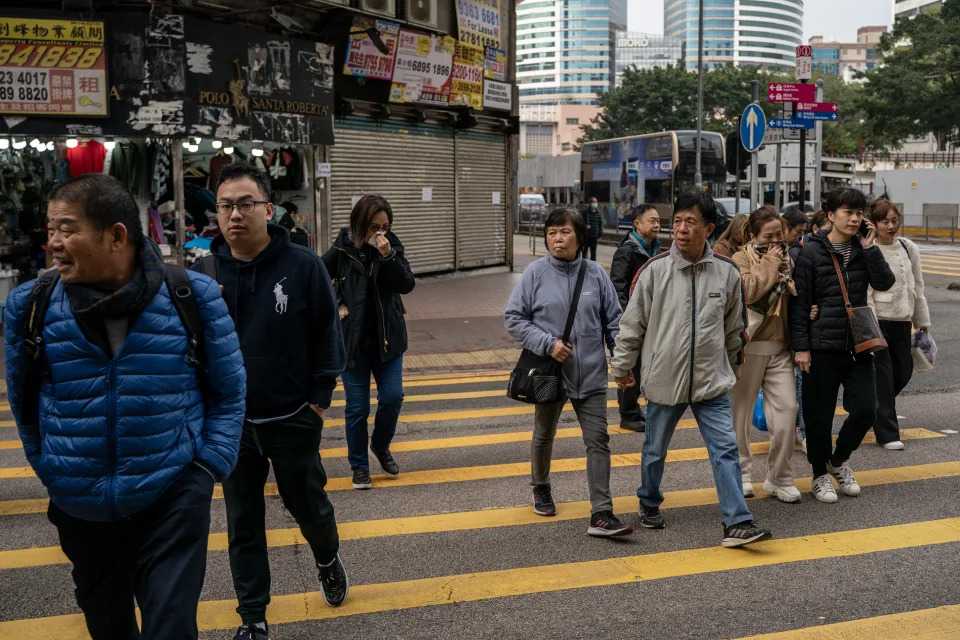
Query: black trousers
[(629, 400), (591, 247), (292, 445), (158, 556), (829, 370), (894, 370)]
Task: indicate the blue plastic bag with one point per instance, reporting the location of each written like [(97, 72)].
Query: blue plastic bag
[(759, 418)]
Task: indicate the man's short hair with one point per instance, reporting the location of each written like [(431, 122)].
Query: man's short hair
[(700, 201), (795, 217), (642, 209), (104, 201), (848, 197), (241, 169), (562, 215)]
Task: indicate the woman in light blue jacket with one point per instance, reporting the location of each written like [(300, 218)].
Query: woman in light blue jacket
[(536, 315)]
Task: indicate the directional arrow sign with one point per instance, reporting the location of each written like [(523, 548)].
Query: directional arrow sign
[(783, 123), (753, 126), (829, 107), (791, 92), (815, 115)]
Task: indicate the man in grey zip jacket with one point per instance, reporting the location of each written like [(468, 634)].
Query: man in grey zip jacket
[(689, 342), (536, 316)]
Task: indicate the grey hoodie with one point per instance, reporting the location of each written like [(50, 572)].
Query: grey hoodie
[(537, 313)]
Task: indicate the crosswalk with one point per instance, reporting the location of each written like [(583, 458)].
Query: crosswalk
[(941, 264), (451, 547)]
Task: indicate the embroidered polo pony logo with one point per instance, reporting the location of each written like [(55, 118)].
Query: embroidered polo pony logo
[(281, 306)]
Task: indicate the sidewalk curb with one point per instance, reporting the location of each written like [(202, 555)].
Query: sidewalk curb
[(486, 359)]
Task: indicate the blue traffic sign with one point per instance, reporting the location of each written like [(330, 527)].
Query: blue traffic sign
[(787, 123), (816, 115), (753, 127)]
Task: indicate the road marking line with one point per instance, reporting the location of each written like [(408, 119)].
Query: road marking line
[(492, 585), (440, 397), (942, 273), (502, 517), (940, 623)]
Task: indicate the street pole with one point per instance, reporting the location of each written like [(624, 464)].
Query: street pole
[(755, 156), (818, 155), (698, 177), (803, 161), (776, 178)]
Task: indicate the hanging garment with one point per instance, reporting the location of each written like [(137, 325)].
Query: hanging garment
[(125, 165), (86, 157)]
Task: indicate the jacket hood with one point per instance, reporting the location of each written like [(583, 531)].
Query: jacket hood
[(632, 241), (279, 240)]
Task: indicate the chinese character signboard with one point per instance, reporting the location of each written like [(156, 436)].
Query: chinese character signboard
[(495, 62), (497, 95), (479, 22), (423, 68), (466, 87), (52, 67), (371, 49)]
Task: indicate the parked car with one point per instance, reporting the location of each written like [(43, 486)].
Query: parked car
[(533, 208), (808, 208), (725, 211)]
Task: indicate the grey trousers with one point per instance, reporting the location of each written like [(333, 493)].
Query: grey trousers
[(592, 414)]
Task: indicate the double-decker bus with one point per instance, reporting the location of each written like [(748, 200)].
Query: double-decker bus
[(655, 167)]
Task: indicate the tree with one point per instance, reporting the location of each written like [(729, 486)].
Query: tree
[(916, 89)]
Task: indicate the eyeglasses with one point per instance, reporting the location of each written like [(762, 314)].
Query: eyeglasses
[(245, 208), (376, 228)]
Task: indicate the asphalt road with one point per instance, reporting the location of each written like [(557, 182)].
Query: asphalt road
[(450, 549)]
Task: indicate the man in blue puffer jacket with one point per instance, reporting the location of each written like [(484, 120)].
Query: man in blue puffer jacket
[(126, 443)]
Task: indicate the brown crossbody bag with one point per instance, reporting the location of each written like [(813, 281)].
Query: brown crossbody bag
[(864, 327)]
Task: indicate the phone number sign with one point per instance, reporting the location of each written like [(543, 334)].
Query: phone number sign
[(52, 67), (479, 22)]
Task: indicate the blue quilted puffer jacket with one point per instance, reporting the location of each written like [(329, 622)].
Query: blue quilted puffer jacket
[(115, 433)]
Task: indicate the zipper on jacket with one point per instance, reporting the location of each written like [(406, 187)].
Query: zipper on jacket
[(111, 437), (693, 324)]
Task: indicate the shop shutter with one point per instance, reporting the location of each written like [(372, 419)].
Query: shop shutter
[(481, 173), (397, 161)]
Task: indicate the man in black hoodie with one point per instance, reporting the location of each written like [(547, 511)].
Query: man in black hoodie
[(283, 305)]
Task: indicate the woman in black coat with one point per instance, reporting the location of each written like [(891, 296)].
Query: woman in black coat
[(370, 273), (824, 348)]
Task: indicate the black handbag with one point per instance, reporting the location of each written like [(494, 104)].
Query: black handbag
[(536, 378), (864, 327)]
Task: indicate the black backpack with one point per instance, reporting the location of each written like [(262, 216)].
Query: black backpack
[(36, 368)]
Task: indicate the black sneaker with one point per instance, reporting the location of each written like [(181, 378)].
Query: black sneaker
[(334, 584), (604, 524), (743, 533), (361, 479), (253, 632), (638, 426), (543, 501), (387, 463), (651, 518)]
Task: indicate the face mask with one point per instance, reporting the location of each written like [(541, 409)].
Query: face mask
[(593, 205)]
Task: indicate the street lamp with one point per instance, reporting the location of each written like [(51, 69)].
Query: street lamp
[(698, 177)]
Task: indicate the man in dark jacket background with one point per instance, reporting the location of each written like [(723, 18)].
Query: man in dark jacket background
[(283, 304), (594, 219), (637, 247), (124, 434)]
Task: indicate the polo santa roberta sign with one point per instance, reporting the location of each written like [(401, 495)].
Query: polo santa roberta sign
[(52, 67)]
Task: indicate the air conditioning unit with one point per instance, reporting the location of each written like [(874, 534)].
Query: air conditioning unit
[(385, 8), (421, 12)]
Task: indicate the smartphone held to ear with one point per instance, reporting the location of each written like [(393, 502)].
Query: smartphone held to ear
[(864, 229)]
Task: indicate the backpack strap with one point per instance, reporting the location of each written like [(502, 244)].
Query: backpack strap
[(33, 350), (178, 282), (208, 266)]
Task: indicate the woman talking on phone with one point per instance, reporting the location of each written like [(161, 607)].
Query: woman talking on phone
[(370, 273), (824, 348)]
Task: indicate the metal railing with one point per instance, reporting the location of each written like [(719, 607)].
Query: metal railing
[(931, 227)]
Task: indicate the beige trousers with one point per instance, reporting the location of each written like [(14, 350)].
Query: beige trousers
[(775, 374)]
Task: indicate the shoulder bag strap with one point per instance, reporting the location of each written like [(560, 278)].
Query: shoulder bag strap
[(576, 300), (181, 293), (843, 284), (35, 366)]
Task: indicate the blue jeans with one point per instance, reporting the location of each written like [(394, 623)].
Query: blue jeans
[(356, 387), (715, 419)]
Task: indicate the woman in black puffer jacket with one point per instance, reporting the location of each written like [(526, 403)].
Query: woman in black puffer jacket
[(824, 348), (370, 272)]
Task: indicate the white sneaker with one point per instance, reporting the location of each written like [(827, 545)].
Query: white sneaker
[(845, 481), (896, 445), (823, 489), (803, 445), (747, 489), (786, 493)]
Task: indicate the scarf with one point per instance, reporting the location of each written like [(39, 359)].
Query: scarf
[(789, 288)]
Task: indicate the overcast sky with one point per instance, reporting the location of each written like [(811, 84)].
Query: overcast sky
[(834, 19)]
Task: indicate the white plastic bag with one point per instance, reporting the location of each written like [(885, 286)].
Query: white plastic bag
[(924, 351)]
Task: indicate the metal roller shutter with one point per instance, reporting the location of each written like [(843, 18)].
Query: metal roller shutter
[(396, 161), (481, 224)]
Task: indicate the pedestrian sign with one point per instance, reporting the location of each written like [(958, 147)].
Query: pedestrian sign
[(791, 123), (753, 126)]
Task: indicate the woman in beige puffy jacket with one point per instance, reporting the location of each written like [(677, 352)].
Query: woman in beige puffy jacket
[(898, 310), (766, 271)]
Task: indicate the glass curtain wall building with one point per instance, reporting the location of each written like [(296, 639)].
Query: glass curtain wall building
[(645, 51), (565, 49), (758, 33)]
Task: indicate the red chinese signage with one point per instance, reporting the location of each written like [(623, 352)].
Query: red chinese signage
[(52, 67)]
